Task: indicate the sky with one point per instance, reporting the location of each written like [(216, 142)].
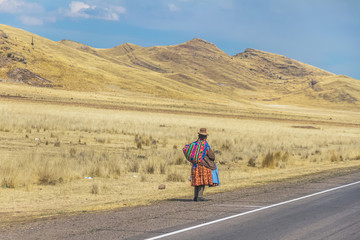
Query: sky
[(322, 33)]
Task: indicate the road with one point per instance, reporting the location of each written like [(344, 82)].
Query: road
[(324, 215), (262, 212)]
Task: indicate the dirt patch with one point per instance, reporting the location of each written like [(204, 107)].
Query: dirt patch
[(3, 61), (22, 75), (11, 96), (3, 34), (305, 127), (17, 57), (338, 95)]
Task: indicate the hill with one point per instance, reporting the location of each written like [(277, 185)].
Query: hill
[(194, 70)]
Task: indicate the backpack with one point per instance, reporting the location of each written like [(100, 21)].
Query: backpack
[(196, 151)]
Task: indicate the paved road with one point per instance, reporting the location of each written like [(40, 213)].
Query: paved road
[(334, 215), (331, 215)]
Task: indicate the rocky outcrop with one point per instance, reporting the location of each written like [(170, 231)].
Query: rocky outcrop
[(21, 75)]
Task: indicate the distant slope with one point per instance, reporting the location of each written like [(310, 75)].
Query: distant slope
[(119, 50), (69, 65), (78, 46), (275, 66), (196, 63), (196, 69)]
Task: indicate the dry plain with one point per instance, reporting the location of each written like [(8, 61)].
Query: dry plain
[(64, 152)]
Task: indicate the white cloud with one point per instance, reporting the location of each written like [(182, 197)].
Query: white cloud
[(110, 16), (119, 9), (173, 8), (10, 6), (19, 6), (78, 9), (33, 21), (83, 10), (28, 13), (112, 13)]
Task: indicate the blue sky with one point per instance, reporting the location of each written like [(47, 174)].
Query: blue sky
[(323, 33)]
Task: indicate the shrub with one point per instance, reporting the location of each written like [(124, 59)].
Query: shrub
[(180, 161), (57, 143), (47, 175), (163, 168), (175, 177), (252, 162), (72, 152), (236, 159), (150, 168), (9, 182), (100, 140), (95, 189), (226, 146), (97, 171), (277, 159), (334, 157), (285, 157), (133, 166), (269, 161), (143, 141)]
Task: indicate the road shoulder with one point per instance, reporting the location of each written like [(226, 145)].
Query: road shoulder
[(172, 214)]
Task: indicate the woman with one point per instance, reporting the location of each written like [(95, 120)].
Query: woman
[(201, 175)]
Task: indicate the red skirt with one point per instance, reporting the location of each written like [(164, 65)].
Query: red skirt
[(201, 176)]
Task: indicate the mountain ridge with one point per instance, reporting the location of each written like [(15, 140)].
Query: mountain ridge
[(190, 70)]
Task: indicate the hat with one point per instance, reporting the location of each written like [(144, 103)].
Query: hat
[(203, 132)]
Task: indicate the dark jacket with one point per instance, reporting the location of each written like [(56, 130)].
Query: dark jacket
[(209, 160)]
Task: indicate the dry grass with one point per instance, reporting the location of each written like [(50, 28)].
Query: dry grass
[(175, 177), (75, 158), (67, 67), (66, 151), (272, 160), (186, 71)]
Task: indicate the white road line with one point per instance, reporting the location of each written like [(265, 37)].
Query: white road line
[(252, 211), (239, 206)]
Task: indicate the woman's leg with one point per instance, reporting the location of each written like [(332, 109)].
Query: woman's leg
[(196, 192), (201, 191)]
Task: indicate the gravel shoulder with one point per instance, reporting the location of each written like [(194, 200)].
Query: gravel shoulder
[(172, 214)]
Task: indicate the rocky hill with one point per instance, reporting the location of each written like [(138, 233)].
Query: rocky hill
[(194, 70)]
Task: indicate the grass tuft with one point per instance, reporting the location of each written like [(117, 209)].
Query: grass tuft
[(163, 168), (252, 162), (95, 189), (133, 166), (277, 159), (175, 177), (150, 167), (9, 182)]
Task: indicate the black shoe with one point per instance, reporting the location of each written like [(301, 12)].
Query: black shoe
[(195, 199), (201, 199)]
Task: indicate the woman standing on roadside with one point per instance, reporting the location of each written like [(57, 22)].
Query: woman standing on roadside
[(200, 174)]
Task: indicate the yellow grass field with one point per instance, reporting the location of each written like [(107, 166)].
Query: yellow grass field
[(68, 152)]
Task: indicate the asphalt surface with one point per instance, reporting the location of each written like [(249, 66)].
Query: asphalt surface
[(331, 215)]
